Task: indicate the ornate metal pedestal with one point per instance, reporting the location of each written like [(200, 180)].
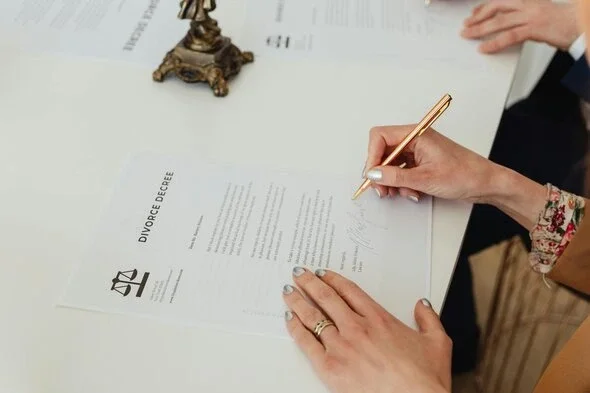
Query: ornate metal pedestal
[(204, 55)]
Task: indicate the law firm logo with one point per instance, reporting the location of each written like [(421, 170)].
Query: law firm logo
[(125, 281)]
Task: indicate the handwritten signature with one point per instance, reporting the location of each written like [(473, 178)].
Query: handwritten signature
[(362, 228)]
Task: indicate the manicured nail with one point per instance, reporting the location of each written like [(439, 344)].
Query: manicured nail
[(320, 272), (413, 198), (297, 271), (375, 174), (288, 289), (288, 315), (426, 303), (378, 192)]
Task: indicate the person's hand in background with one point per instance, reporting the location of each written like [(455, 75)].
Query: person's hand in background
[(504, 23)]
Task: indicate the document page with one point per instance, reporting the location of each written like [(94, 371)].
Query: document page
[(130, 30), (199, 243), (406, 29), (144, 30)]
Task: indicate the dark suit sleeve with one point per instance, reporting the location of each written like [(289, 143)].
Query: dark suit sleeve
[(578, 79)]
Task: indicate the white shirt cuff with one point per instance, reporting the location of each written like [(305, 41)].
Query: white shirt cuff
[(578, 47)]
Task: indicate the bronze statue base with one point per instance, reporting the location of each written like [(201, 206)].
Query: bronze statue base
[(214, 68)]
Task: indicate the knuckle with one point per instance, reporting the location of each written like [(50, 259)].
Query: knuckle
[(526, 31), (311, 316), (375, 131), (423, 177), (296, 330), (383, 319), (444, 342), (512, 37), (495, 44), (474, 31), (498, 21), (294, 300), (358, 331), (296, 303), (325, 294), (349, 288), (401, 177), (447, 343), (333, 365)]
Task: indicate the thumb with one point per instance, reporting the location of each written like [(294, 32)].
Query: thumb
[(427, 320), (394, 176)]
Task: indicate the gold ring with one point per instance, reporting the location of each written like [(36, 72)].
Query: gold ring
[(321, 325)]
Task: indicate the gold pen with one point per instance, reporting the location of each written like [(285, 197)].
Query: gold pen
[(424, 125)]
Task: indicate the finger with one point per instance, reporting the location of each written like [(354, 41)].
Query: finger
[(353, 295), (380, 138), (409, 194), (392, 191), (505, 39), (500, 22), (490, 9), (324, 296), (392, 176), (308, 314), (427, 320), (477, 9), (304, 339), (381, 191)]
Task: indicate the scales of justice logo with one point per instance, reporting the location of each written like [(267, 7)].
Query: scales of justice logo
[(127, 280)]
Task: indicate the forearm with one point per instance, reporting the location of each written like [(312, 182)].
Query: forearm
[(516, 195)]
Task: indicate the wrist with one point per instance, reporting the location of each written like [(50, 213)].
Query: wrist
[(514, 194), (569, 27)]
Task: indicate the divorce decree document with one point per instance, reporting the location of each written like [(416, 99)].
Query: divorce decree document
[(199, 243)]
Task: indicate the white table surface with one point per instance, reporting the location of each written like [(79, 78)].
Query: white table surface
[(68, 124)]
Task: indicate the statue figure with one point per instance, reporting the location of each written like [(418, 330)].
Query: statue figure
[(204, 55)]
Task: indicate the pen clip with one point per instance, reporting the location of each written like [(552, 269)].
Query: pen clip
[(434, 118)]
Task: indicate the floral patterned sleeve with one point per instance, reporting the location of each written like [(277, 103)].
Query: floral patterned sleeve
[(555, 228)]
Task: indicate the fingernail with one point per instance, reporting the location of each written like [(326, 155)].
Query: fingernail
[(426, 303), (378, 192), (297, 271), (288, 315), (288, 289), (375, 174), (413, 198), (320, 272)]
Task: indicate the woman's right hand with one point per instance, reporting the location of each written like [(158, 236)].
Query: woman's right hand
[(445, 169), (441, 167)]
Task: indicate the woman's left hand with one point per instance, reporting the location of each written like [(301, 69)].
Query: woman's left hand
[(367, 349)]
